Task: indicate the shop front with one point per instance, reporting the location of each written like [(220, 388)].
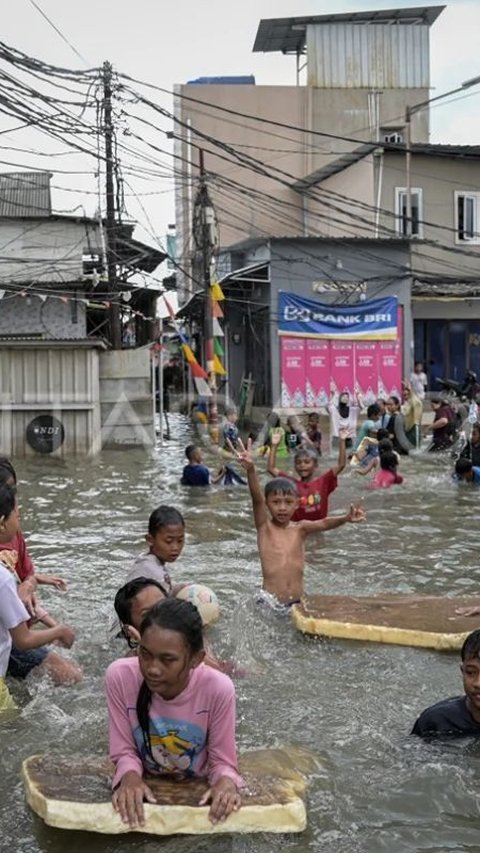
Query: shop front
[(327, 348)]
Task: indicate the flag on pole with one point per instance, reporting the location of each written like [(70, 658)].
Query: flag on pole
[(217, 348), (216, 291), (197, 371), (217, 329), (202, 386), (218, 366), (187, 351), (217, 310)]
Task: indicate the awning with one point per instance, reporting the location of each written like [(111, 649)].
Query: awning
[(259, 273)]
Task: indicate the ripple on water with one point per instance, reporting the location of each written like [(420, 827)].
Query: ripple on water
[(350, 704)]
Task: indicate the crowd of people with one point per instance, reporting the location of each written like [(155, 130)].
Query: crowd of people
[(171, 703)]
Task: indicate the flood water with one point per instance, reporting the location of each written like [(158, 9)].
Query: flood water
[(351, 704)]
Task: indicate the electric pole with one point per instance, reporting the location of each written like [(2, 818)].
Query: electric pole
[(115, 326), (205, 236)]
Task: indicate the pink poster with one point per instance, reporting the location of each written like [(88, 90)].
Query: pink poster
[(389, 369), (317, 366), (366, 371), (341, 366), (293, 372)]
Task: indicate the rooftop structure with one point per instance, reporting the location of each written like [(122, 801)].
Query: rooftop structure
[(289, 35)]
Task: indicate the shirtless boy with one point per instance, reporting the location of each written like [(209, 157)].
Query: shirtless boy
[(281, 541)]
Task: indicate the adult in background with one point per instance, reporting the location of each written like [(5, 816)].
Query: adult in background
[(442, 427), (418, 380), (384, 415), (343, 416), (472, 447), (396, 427), (412, 411)]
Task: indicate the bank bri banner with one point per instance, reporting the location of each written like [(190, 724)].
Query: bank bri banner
[(371, 320)]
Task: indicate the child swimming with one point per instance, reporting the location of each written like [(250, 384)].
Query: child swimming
[(387, 474), (460, 715), (281, 541), (171, 715), (467, 472), (196, 473)]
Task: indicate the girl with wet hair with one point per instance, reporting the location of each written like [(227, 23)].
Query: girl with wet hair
[(171, 715)]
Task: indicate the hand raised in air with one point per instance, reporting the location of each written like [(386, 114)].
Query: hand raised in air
[(357, 514), (243, 454)]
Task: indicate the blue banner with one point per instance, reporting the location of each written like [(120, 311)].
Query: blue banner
[(370, 320)]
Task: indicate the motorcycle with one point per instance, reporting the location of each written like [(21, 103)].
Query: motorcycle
[(469, 389)]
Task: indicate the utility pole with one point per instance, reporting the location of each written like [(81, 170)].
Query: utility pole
[(115, 327), (205, 235)]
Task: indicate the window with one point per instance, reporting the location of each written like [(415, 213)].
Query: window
[(466, 217), (416, 229)]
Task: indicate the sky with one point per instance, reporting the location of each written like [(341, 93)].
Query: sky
[(166, 43)]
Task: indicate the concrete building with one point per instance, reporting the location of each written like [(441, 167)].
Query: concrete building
[(362, 70), (326, 160), (62, 390), (445, 246)]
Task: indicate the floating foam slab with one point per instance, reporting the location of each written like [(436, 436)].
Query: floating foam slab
[(426, 621), (75, 793)]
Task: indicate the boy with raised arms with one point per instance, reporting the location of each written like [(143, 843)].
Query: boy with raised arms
[(281, 541), (313, 489)]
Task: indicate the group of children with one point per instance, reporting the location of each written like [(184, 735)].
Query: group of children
[(171, 708)]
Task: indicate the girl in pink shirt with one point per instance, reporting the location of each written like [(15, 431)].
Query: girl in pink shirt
[(169, 714), (387, 474)]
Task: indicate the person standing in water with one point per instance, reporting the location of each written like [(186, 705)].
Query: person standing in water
[(418, 380), (343, 416), (313, 489), (460, 715), (165, 540), (281, 541), (170, 715)]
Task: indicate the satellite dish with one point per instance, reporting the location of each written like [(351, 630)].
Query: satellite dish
[(45, 434)]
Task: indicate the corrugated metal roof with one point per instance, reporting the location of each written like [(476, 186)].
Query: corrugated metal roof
[(33, 342), (380, 56), (288, 35), (25, 194)]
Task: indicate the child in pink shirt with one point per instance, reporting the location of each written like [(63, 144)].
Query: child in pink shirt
[(170, 714), (387, 474)]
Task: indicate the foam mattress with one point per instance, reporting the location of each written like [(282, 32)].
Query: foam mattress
[(426, 621), (75, 793)]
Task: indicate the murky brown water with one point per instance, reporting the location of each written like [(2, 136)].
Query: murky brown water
[(351, 704)]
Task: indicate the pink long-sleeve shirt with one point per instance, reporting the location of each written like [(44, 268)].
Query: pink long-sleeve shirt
[(191, 735)]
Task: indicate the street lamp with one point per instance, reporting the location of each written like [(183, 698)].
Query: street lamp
[(408, 144)]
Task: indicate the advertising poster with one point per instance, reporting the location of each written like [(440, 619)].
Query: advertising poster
[(389, 369), (293, 372), (366, 372), (317, 373), (341, 366)]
